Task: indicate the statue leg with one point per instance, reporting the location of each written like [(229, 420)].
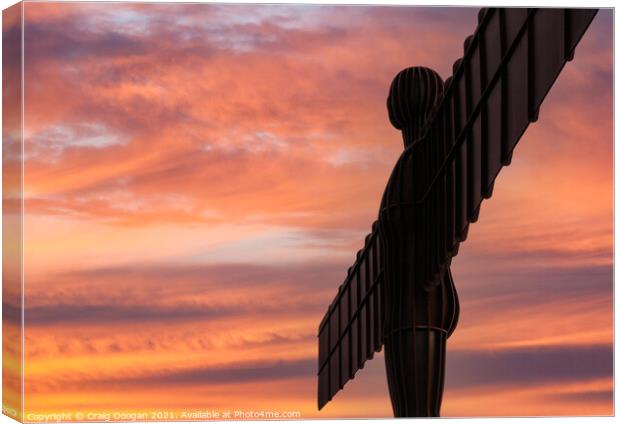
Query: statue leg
[(419, 324)]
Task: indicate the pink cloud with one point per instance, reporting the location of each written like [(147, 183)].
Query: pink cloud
[(187, 134)]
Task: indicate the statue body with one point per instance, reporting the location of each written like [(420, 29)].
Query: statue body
[(418, 318)]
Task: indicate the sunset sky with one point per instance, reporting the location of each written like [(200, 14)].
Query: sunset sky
[(198, 178)]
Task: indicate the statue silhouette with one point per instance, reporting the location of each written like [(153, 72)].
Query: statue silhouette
[(457, 136), (418, 318)]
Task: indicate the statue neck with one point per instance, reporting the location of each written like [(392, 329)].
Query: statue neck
[(411, 133)]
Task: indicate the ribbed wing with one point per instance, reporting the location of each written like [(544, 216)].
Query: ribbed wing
[(352, 329), (510, 63)]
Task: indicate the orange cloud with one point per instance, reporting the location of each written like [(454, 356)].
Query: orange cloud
[(194, 200)]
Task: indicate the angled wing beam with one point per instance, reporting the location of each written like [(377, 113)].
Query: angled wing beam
[(352, 329), (510, 63)]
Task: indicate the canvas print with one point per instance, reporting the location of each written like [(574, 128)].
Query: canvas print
[(297, 211)]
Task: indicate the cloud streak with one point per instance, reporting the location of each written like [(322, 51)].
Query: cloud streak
[(196, 197), (528, 366)]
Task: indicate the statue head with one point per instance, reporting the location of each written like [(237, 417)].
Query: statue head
[(414, 94)]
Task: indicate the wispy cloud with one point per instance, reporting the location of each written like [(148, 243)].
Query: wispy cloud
[(195, 198), (467, 370)]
